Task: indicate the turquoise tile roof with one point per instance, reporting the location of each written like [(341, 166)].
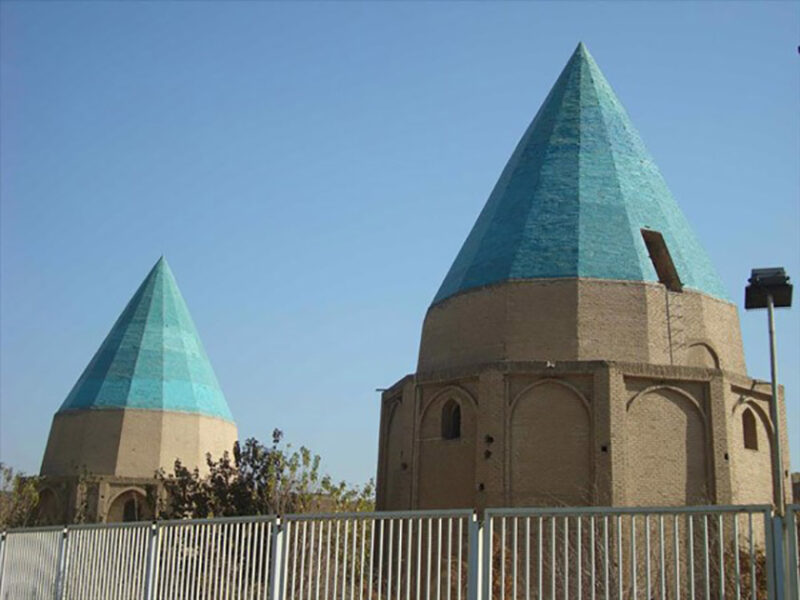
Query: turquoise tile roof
[(573, 198), (152, 358)]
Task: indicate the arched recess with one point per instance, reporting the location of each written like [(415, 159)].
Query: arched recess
[(752, 467), (702, 354), (666, 449), (749, 431), (550, 446), (765, 429), (451, 420), (129, 505), (397, 486), (446, 467), (48, 509)]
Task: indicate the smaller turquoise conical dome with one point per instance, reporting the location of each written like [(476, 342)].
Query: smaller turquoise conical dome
[(574, 198), (152, 359)]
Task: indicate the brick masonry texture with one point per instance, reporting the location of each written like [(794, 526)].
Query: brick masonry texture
[(581, 379)]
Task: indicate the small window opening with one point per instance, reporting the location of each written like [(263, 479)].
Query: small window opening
[(749, 430), (130, 511), (451, 420), (662, 261)]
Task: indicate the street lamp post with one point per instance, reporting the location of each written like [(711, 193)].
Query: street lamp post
[(770, 289)]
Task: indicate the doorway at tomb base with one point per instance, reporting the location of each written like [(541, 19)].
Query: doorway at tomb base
[(129, 506)]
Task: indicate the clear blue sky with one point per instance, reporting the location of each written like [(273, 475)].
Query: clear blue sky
[(310, 171)]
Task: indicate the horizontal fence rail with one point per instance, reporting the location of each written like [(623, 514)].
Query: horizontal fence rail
[(719, 552)]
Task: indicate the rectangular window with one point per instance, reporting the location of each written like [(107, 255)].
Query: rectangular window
[(662, 261)]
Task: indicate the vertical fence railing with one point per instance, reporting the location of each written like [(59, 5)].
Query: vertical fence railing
[(671, 553), (582, 553), (30, 567), (105, 561), (376, 556), (222, 558)]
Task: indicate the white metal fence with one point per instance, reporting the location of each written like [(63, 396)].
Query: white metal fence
[(217, 558), (31, 563), (693, 552), (103, 561), (583, 553), (377, 556)]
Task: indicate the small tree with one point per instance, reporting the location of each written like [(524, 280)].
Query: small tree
[(19, 498), (258, 479)]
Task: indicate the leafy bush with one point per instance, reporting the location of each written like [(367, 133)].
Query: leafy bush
[(258, 480)]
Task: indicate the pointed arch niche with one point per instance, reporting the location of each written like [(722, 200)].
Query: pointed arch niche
[(451, 420), (49, 510), (395, 463), (129, 506), (446, 442), (702, 354), (749, 431), (666, 449), (550, 433), (751, 449)]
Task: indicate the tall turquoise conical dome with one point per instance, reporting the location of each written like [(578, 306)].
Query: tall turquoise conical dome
[(152, 359), (574, 197)]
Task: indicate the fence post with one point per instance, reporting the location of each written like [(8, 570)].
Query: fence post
[(150, 573), (276, 561), (2, 560), (61, 570), (774, 556), (792, 564), (474, 562), (486, 558), (778, 557)]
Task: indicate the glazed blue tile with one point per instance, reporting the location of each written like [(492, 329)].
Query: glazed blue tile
[(152, 359), (574, 197)]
